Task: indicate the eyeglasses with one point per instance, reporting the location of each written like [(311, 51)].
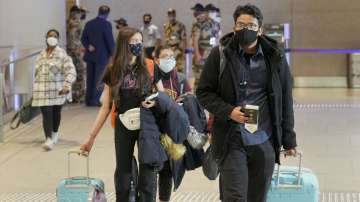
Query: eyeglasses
[(168, 57), (250, 26)]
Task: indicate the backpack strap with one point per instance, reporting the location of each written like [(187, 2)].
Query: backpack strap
[(222, 62), (222, 65), (150, 65)]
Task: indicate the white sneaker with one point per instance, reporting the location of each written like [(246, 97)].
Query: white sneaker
[(55, 137), (48, 145)]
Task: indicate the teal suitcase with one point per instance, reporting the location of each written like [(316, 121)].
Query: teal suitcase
[(80, 189), (293, 184)]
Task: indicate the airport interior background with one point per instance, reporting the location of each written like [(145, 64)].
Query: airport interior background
[(322, 42)]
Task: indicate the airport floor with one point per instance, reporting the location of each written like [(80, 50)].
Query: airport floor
[(325, 121)]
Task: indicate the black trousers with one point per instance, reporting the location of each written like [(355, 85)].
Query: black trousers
[(147, 182), (51, 119), (94, 73), (165, 182), (246, 172)]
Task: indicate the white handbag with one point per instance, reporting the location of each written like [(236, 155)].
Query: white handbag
[(196, 140), (131, 119)]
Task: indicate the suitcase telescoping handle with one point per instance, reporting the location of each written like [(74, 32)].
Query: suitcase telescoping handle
[(80, 153), (298, 182)]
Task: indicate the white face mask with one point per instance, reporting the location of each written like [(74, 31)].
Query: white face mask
[(213, 15), (52, 41), (166, 65), (217, 19)]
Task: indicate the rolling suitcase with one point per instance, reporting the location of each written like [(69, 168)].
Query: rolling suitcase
[(293, 184), (80, 189)]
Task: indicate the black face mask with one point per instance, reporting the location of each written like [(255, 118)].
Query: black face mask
[(83, 16), (136, 49), (146, 22), (245, 37)]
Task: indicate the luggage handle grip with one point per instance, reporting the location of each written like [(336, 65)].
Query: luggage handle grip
[(298, 185), (289, 186), (80, 153)]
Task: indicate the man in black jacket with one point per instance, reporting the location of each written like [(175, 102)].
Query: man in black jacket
[(248, 69)]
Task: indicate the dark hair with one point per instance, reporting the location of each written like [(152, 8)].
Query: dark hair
[(171, 11), (75, 9), (248, 9), (122, 59), (104, 10), (148, 15), (53, 30), (159, 49)]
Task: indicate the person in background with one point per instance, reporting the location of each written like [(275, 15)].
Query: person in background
[(73, 48), (214, 15), (175, 37), (151, 34), (83, 13), (54, 75), (120, 23), (203, 33), (98, 41)]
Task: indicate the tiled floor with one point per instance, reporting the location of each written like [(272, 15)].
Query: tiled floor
[(327, 125), (177, 197)]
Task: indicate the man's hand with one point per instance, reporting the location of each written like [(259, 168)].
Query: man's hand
[(290, 152), (238, 116), (91, 48)]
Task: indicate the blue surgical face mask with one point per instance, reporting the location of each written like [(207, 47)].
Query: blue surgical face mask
[(136, 49), (166, 65)]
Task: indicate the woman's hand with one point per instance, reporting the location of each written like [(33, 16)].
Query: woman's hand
[(64, 91), (148, 104), (87, 146)]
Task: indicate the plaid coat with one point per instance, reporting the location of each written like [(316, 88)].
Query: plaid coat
[(52, 74)]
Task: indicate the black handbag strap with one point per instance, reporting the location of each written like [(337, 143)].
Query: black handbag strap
[(15, 119)]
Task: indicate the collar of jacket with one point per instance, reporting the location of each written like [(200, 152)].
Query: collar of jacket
[(270, 48)]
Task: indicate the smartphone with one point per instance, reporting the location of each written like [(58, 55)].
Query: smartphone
[(151, 97)]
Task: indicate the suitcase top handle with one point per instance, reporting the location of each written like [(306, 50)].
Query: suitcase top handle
[(80, 153), (299, 155)]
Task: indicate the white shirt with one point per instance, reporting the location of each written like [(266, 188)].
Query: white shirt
[(150, 34)]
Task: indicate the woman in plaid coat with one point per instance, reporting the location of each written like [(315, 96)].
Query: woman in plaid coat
[(54, 75)]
